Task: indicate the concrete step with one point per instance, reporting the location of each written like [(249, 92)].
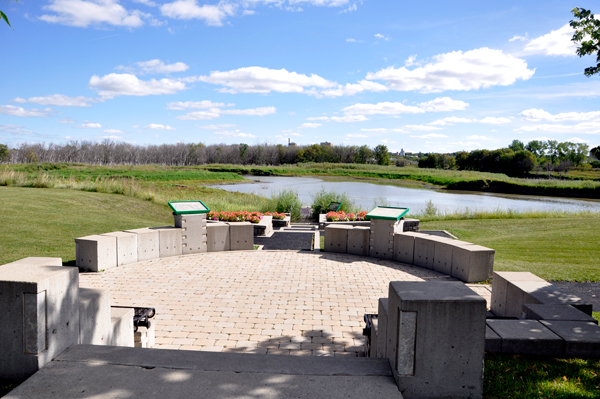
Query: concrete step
[(117, 372)]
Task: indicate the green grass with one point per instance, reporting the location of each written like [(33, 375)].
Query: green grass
[(560, 248), (527, 377)]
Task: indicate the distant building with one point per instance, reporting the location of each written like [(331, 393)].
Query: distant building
[(402, 152), (291, 144), (326, 144)]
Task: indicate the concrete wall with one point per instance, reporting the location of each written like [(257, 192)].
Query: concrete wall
[(127, 247), (96, 252), (95, 326)]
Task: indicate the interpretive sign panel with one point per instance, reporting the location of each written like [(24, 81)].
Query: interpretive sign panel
[(188, 207), (387, 213)]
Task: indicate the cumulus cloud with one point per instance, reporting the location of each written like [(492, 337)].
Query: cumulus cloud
[(443, 104), (214, 113), (156, 126), (155, 66), (557, 42), (19, 111), (380, 36), (205, 104), (450, 121), (212, 15), (309, 125), (470, 70), (15, 129), (234, 133), (114, 84), (490, 120), (517, 37), (349, 118), (318, 118), (216, 127), (350, 89), (89, 125), (535, 114), (577, 140), (57, 100), (431, 136), (591, 127), (384, 108), (423, 128), (112, 131), (82, 13)]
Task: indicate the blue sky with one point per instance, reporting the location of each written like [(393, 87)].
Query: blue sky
[(423, 76)]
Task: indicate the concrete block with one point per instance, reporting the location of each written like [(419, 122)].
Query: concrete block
[(126, 247), (582, 339), (404, 247), (382, 318), (36, 261), (472, 263), (442, 256), (527, 337), (217, 235), (358, 240), (436, 339), (554, 312), (373, 339), (95, 327), (145, 337), (122, 326), (96, 252), (169, 241), (493, 342), (39, 316), (241, 236), (550, 294), (424, 251), (147, 240), (500, 290), (382, 237), (193, 233), (264, 227), (336, 238)]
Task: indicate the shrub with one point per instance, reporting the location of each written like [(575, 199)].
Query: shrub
[(322, 198), (286, 201)]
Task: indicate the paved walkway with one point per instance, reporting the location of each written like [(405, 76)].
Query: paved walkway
[(274, 302)]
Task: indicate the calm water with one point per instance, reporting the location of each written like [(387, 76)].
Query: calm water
[(368, 195)]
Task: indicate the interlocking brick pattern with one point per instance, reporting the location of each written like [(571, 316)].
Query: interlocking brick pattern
[(278, 302)]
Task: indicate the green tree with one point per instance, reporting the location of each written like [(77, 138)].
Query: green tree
[(537, 148), (517, 146), (587, 34), (382, 155), (4, 153), (595, 152), (3, 15), (363, 155)]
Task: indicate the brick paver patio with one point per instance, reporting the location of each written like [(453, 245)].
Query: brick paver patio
[(279, 302)]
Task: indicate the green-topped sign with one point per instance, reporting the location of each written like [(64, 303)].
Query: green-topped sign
[(188, 207), (387, 213)]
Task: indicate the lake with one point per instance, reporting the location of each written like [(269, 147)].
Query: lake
[(367, 195)]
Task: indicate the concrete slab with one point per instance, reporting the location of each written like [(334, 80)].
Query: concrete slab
[(122, 326), (36, 261), (582, 339), (527, 337), (169, 241), (95, 326), (241, 236), (472, 263), (430, 325), (96, 252), (336, 238), (358, 240), (555, 312), (493, 342), (193, 233), (108, 372), (148, 243), (500, 292), (217, 236), (126, 247), (39, 316)]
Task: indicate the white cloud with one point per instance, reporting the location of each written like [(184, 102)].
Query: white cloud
[(15, 129), (148, 3), (422, 128), (411, 60), (214, 113), (156, 126), (212, 15), (82, 13), (217, 127), (443, 104), (476, 137), (114, 84), (557, 42), (66, 120), (318, 118), (156, 66), (205, 104), (264, 80), (577, 140), (113, 131), (385, 108), (350, 89), (431, 136), (296, 135), (381, 129), (351, 40), (592, 127), (111, 137), (516, 37), (234, 133), (380, 36), (355, 135), (349, 118), (535, 114), (57, 100), (309, 125), (19, 111), (490, 120), (451, 120), (89, 125), (470, 70), (248, 12)]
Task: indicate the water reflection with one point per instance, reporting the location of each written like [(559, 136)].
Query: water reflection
[(366, 195)]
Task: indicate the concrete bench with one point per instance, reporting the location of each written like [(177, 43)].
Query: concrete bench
[(127, 247), (147, 243), (169, 241), (264, 227), (358, 240), (336, 238), (241, 236), (217, 236), (96, 252)]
